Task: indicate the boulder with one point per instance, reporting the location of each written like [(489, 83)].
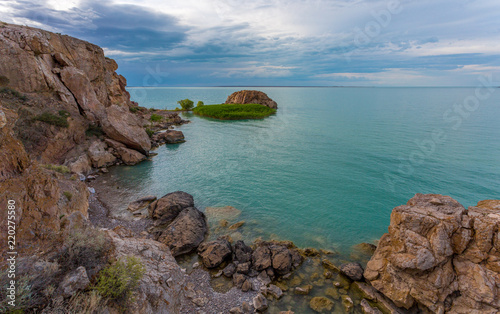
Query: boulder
[(186, 232), (141, 203), (82, 165), (169, 206), (121, 125), (251, 97), (229, 270), (213, 253), (73, 282), (260, 303), (242, 252), (261, 258), (275, 291), (352, 270), (239, 280), (281, 259), (99, 156), (129, 156), (169, 137), (440, 256)]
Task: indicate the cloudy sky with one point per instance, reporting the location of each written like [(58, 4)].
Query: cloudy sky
[(281, 42)]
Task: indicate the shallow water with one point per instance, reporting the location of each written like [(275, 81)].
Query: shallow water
[(328, 168)]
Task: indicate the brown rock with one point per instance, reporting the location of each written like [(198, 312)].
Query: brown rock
[(213, 253), (141, 203), (169, 137), (99, 156), (303, 290), (82, 165), (169, 206), (321, 304), (129, 156), (236, 225), (261, 258), (281, 259), (251, 97), (352, 270), (186, 232), (439, 255), (241, 252)]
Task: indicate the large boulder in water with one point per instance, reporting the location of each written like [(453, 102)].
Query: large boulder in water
[(251, 97)]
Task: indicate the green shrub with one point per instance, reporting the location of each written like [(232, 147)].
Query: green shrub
[(186, 104), (149, 132), (68, 195), (200, 103), (15, 93), (155, 117), (94, 130), (118, 281), (234, 111), (58, 168), (52, 119), (134, 109), (64, 113)]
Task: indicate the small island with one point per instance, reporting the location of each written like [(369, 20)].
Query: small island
[(244, 104), (234, 111)]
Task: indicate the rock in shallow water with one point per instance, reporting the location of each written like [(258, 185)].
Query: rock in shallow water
[(352, 270), (215, 252)]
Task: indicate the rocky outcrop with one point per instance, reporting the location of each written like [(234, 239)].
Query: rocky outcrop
[(213, 253), (168, 137), (441, 256), (165, 209), (251, 97), (65, 76), (160, 289)]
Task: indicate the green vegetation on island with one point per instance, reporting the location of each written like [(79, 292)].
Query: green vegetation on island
[(234, 111)]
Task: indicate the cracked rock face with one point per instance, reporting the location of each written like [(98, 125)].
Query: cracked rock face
[(440, 255)]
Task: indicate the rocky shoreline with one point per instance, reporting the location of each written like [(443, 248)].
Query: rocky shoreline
[(65, 117)]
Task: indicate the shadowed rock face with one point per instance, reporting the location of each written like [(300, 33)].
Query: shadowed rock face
[(440, 255), (251, 97)]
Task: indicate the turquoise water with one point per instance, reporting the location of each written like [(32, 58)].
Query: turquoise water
[(328, 168)]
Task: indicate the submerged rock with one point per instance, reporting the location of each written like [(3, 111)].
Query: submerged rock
[(141, 203), (321, 304)]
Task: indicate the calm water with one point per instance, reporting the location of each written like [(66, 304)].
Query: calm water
[(328, 168)]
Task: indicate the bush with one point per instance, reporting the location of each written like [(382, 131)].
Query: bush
[(134, 109), (52, 119), (94, 130), (234, 111), (68, 195), (58, 168), (64, 113), (15, 93), (118, 281), (149, 132), (155, 117), (200, 103), (186, 104)]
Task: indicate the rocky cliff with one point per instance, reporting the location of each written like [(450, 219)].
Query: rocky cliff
[(67, 77), (441, 256), (251, 97)]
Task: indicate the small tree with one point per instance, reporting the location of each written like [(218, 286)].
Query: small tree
[(186, 104), (200, 104)]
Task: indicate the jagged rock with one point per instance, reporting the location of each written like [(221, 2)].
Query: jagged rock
[(242, 252), (73, 282), (281, 259), (141, 203), (169, 206), (186, 232), (261, 258), (260, 303), (130, 156), (162, 280), (440, 256), (213, 253), (247, 285), (264, 278), (243, 268), (229, 270), (251, 97), (352, 270), (239, 279), (347, 303), (99, 156), (321, 304)]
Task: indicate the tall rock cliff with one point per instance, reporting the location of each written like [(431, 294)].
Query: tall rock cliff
[(60, 73), (440, 255)]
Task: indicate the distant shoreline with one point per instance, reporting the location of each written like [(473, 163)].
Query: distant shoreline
[(249, 86)]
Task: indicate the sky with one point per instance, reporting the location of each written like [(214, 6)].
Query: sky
[(281, 42)]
